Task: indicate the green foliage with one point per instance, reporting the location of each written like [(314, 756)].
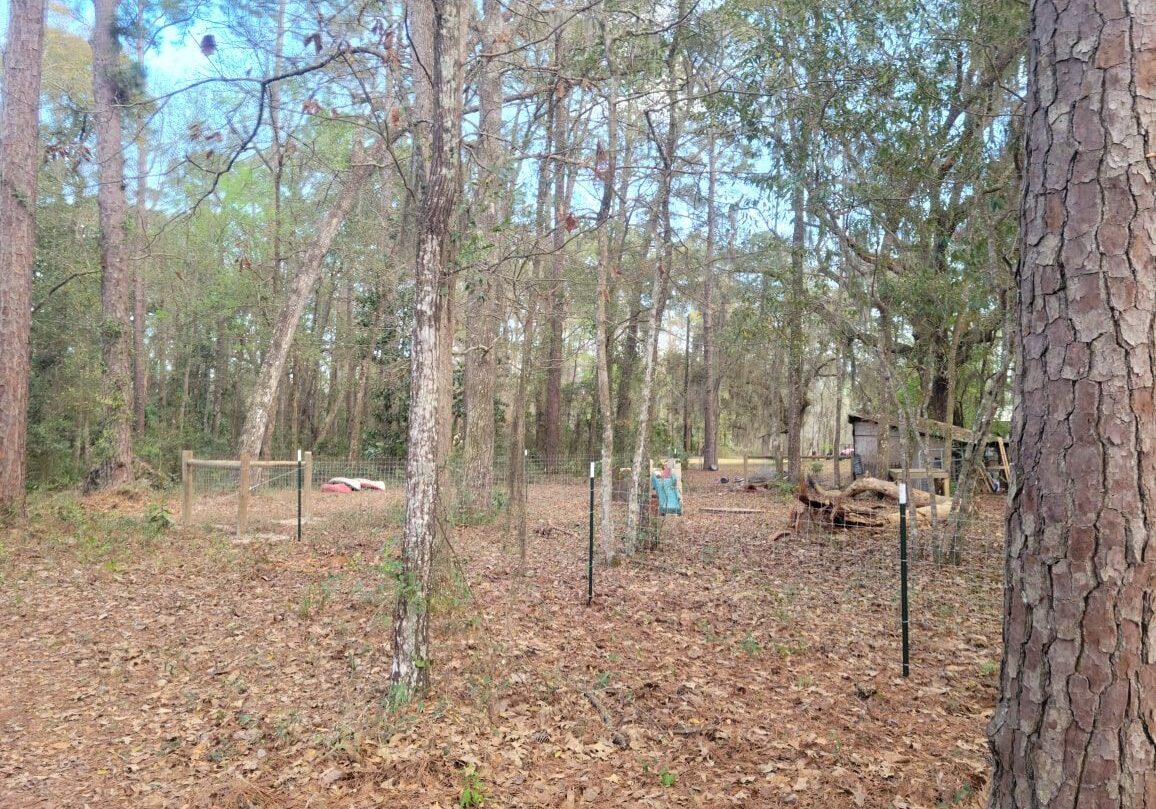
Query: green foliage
[(159, 518), (667, 778), (473, 791)]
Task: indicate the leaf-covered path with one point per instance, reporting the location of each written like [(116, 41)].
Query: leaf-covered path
[(727, 668)]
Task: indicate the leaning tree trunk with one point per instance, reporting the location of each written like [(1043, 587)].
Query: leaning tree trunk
[(1076, 717), (440, 20), (19, 153), (312, 263), (115, 287)]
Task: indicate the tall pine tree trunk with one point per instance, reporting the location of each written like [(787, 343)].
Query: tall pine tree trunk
[(115, 287), (1076, 717), (19, 160)]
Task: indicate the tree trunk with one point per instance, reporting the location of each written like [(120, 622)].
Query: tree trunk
[(796, 384), (601, 326), (436, 43), (661, 285), (484, 302), (710, 371), (115, 287), (558, 258), (312, 263), (140, 363), (516, 469), (19, 160), (1074, 725)]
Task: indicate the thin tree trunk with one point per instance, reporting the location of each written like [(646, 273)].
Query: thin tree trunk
[(140, 361), (666, 149), (437, 47), (796, 384), (115, 289), (516, 469), (483, 325), (19, 160), (1074, 722), (253, 434), (558, 259), (710, 369), (602, 336)]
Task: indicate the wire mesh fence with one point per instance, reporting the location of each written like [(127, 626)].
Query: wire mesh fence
[(955, 582)]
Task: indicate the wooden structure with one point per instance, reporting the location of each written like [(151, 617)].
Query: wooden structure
[(933, 472), (244, 466)]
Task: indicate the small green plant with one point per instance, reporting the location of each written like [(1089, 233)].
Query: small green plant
[(988, 667), (602, 680), (159, 518), (751, 646), (805, 681), (667, 777), (473, 790), (816, 468)]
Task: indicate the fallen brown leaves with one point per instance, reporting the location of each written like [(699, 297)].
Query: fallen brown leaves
[(734, 666)]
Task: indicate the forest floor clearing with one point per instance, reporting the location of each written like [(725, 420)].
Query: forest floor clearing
[(147, 667)]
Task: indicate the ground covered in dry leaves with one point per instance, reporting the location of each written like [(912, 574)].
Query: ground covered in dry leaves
[(146, 667)]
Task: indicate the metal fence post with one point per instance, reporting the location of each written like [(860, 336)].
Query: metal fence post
[(903, 617), (590, 546), (300, 479)]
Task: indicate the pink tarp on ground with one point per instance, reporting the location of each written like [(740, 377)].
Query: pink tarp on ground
[(338, 488)]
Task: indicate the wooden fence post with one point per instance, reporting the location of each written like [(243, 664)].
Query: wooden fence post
[(186, 487), (307, 493), (243, 498)]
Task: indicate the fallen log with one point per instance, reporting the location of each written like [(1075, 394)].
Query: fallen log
[(842, 509), (831, 507), (885, 488)]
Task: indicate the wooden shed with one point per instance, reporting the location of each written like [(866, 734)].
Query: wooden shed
[(926, 462)]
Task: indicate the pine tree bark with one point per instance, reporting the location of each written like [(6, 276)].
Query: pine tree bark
[(437, 48), (19, 160), (116, 466), (1076, 718)]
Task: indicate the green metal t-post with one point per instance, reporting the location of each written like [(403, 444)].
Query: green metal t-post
[(590, 546), (300, 487), (903, 616)]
